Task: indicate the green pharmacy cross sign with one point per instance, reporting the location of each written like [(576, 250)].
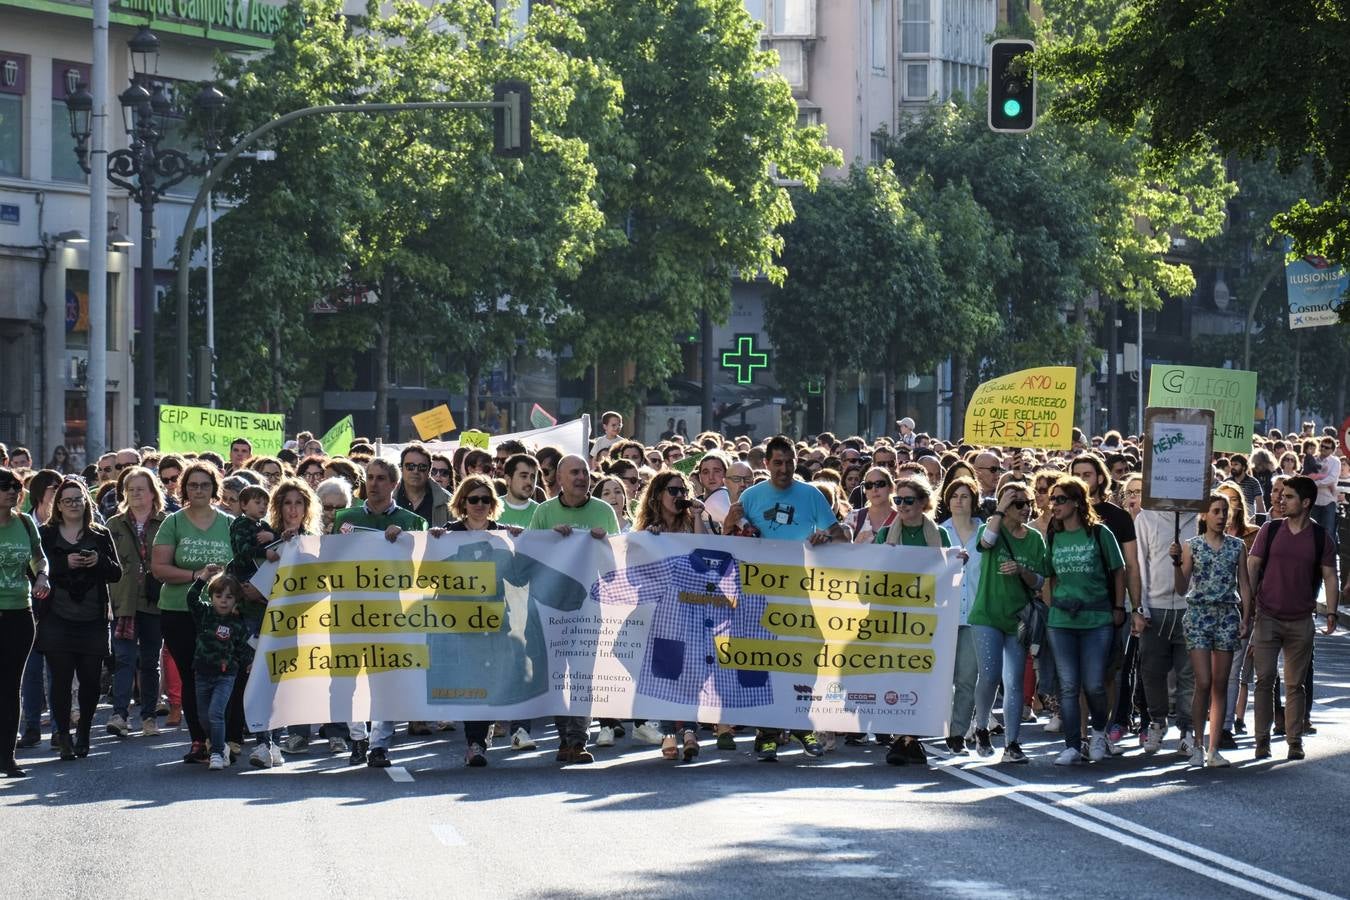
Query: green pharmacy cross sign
[(744, 359)]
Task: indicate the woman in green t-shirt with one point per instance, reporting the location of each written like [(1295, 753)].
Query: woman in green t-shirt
[(1012, 565), (192, 544), (1086, 594), (20, 553)]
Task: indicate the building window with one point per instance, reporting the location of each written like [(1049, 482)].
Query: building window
[(792, 16), (67, 77), (916, 82), (13, 85), (756, 10), (791, 63), (914, 27), (880, 32)]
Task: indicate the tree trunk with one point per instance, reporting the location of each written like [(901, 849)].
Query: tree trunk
[(1113, 419), (382, 358), (1079, 351), (1294, 423), (473, 373), (888, 387), (828, 401), (959, 374), (1276, 266), (278, 402), (1340, 392)]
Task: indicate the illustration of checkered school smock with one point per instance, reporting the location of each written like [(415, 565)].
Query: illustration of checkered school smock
[(680, 664)]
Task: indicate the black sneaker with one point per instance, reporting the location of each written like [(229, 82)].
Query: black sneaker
[(474, 757), (1013, 754), (1227, 741), (855, 740), (197, 754), (359, 749), (983, 746), (956, 743), (31, 737), (1239, 726), (896, 755), (810, 743), (913, 750), (1308, 728), (766, 750), (1294, 751), (378, 758)]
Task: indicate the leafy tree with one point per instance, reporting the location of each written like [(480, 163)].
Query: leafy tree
[(1253, 78)]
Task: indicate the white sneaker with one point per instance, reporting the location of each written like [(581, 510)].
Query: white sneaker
[(274, 751), (1153, 742), (149, 728), (606, 737), (521, 740), (1215, 761), (1069, 756), (261, 757), (1186, 746), (1097, 745), (649, 733), (118, 726), (217, 762), (1197, 758), (1055, 725)]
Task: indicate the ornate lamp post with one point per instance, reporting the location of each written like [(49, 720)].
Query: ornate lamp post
[(146, 170)]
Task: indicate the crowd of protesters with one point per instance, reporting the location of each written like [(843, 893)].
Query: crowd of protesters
[(1093, 619)]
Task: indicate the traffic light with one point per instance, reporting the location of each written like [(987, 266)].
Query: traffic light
[(511, 124), (1012, 86)]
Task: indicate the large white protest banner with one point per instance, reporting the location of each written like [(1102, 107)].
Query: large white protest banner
[(569, 437), (691, 628)]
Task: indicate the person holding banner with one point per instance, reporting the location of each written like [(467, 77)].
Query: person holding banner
[(417, 492), (1086, 595), (196, 536), (1211, 569)]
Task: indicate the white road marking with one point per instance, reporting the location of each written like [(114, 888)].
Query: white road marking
[(1257, 881), (398, 773), (447, 834)]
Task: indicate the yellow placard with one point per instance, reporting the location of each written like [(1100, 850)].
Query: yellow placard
[(473, 438), (815, 658), (838, 623), (342, 660), (820, 583), (1030, 408), (407, 578), (385, 617), (434, 422)]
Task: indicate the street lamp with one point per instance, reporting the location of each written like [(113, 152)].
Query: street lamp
[(146, 170)]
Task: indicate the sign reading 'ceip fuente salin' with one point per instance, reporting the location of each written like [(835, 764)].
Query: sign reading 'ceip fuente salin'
[(193, 429)]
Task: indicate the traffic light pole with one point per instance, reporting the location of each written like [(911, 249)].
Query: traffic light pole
[(180, 390)]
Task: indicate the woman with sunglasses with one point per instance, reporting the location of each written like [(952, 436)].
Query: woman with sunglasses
[(666, 505), (60, 460), (20, 554), (961, 497), (1012, 566), (1086, 595), (878, 511), (191, 545), (73, 629)]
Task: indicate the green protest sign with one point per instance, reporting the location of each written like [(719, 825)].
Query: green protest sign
[(195, 429), (1231, 393), (688, 464), (338, 440)]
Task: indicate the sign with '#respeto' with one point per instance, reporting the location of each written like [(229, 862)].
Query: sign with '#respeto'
[(1177, 448), (1231, 393), (1029, 408)]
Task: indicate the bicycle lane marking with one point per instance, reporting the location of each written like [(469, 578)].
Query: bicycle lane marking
[(1242, 875)]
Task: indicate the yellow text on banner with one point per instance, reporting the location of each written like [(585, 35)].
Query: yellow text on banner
[(434, 422), (819, 583), (1029, 408), (396, 578), (889, 626), (829, 658), (385, 617), (343, 660), (194, 429)]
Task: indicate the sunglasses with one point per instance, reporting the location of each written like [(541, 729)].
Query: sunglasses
[(169, 479), (333, 509), (676, 491), (906, 501), (416, 467), (1020, 504), (120, 466), (478, 500), (631, 479), (1061, 499), (9, 485), (873, 485), (440, 473)]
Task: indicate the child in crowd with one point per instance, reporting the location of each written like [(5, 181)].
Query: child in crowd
[(220, 652), (249, 534)]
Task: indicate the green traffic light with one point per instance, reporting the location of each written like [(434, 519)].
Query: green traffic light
[(1012, 108)]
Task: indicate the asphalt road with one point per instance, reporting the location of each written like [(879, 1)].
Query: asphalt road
[(133, 821)]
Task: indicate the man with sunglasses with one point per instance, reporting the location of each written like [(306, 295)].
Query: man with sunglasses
[(988, 467), (1324, 510), (417, 492)]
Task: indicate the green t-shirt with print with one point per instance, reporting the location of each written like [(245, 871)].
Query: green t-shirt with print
[(361, 517), (520, 518), (1076, 563), (594, 513), (911, 537), (193, 548), (1001, 597), (19, 543)]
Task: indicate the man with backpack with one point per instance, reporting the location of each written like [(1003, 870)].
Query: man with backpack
[(1291, 559)]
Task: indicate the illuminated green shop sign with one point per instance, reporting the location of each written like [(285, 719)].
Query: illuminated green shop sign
[(235, 15)]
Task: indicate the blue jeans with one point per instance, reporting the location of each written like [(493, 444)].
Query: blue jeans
[(964, 677), (992, 648), (1081, 655), (140, 654), (36, 686), (213, 695)]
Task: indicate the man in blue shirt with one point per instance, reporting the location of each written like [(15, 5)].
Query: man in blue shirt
[(784, 509)]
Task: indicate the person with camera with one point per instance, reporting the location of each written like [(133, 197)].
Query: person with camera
[(137, 638), (73, 622)]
